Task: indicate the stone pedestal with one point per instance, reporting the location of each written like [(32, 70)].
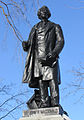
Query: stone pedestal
[(53, 113)]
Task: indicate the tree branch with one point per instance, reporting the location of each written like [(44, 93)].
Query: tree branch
[(12, 98), (11, 111), (11, 23)]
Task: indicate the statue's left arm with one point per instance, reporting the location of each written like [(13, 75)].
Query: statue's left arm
[(51, 56), (59, 41)]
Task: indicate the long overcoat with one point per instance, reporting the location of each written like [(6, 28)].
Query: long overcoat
[(55, 42)]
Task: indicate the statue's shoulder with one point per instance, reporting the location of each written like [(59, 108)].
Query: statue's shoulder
[(36, 25), (34, 28), (57, 26)]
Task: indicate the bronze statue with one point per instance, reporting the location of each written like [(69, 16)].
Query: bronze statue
[(42, 68)]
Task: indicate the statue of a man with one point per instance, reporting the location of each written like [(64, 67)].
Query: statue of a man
[(42, 69)]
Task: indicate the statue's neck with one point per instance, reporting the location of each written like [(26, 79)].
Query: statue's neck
[(44, 20)]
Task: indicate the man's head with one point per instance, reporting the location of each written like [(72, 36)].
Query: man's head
[(43, 13)]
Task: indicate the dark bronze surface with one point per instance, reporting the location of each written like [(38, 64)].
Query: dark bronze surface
[(42, 68)]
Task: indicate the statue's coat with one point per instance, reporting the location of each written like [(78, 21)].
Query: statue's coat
[(55, 42)]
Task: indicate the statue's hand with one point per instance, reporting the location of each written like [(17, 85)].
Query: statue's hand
[(46, 61), (25, 45), (49, 59), (50, 56)]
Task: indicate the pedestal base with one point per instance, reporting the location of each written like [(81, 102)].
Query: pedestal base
[(54, 113)]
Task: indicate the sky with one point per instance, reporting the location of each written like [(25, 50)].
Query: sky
[(71, 19)]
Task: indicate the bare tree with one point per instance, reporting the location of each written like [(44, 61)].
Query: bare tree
[(11, 100), (12, 11), (16, 16), (8, 16), (75, 87)]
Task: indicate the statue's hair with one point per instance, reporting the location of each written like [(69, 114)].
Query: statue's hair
[(43, 9)]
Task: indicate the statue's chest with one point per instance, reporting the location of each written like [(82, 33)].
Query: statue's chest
[(41, 37), (42, 31)]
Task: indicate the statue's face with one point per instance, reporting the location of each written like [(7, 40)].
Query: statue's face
[(43, 13)]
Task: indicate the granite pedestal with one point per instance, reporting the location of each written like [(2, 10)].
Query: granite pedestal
[(53, 113)]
